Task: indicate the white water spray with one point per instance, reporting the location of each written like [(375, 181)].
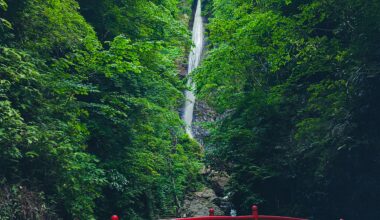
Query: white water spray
[(194, 60)]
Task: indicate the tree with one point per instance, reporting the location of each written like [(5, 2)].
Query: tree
[(286, 77)]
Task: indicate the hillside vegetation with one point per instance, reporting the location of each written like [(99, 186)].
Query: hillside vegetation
[(89, 95), (297, 83)]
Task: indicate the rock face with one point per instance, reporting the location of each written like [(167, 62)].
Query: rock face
[(202, 113), (199, 203), (212, 196), (218, 181)]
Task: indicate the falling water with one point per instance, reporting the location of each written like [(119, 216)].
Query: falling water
[(194, 60)]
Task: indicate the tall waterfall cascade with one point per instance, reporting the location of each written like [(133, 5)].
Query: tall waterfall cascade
[(194, 60)]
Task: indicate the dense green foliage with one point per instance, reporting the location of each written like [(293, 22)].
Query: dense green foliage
[(89, 99), (297, 85), (89, 128)]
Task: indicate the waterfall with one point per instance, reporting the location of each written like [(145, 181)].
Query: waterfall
[(194, 60)]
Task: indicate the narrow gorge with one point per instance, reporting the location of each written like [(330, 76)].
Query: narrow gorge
[(279, 107), (211, 195)]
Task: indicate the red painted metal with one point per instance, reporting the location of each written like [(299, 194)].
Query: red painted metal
[(255, 212), (255, 216), (247, 217), (114, 217), (211, 212)]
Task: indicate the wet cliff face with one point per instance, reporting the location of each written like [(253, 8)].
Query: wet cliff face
[(211, 196), (195, 113), (195, 57), (199, 203), (202, 113)]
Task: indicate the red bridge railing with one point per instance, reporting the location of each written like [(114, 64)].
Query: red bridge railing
[(255, 216)]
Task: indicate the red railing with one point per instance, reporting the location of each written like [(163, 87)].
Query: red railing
[(255, 216)]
